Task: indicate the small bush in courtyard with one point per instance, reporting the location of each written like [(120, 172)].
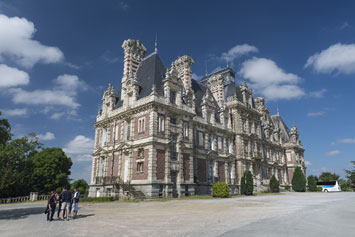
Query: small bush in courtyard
[(287, 187), (274, 185), (97, 199), (220, 189), (242, 185), (249, 184), (312, 185), (319, 189), (298, 181)]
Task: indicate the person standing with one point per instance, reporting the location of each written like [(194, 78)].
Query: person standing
[(52, 202), (75, 202), (60, 200), (66, 198)]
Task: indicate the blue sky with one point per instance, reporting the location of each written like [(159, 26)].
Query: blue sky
[(57, 57)]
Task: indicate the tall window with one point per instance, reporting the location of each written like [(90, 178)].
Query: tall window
[(211, 170), (116, 132), (140, 167), (173, 153), (128, 129), (173, 120), (141, 125), (230, 172), (173, 97), (220, 143), (186, 129), (210, 142), (161, 123), (104, 136), (200, 138), (228, 146), (140, 153)]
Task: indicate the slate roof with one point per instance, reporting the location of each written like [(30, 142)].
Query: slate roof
[(284, 131)]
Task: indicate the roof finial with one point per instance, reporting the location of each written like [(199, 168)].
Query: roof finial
[(206, 68), (156, 43), (278, 111), (227, 64)]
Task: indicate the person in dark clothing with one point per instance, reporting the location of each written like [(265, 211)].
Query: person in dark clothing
[(52, 202), (66, 199), (60, 200)]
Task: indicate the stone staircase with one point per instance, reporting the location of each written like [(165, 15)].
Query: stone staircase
[(129, 191)]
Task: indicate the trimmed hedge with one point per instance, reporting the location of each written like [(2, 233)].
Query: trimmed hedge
[(312, 185), (220, 189), (319, 189), (298, 181), (274, 185), (97, 199), (247, 184)]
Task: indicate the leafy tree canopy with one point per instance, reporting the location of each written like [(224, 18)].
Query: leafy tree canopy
[(51, 168), (81, 185), (327, 176), (5, 131), (350, 174)]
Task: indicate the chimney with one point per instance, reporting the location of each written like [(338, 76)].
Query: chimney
[(183, 65)]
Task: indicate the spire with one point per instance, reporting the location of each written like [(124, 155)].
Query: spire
[(278, 111), (156, 44)]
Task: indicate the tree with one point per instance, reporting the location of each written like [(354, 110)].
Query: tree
[(16, 166), (350, 174), (327, 176), (312, 185), (274, 185), (249, 184), (51, 168), (242, 185), (345, 185), (5, 131), (298, 181), (81, 185)]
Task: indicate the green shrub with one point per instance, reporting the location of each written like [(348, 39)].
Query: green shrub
[(319, 189), (312, 185), (274, 185), (220, 189), (97, 199), (242, 185), (298, 181), (249, 184), (287, 187)]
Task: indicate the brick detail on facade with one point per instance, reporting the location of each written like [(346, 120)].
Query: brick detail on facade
[(290, 175), (160, 165), (140, 175), (186, 167), (221, 171), (201, 170), (109, 166)]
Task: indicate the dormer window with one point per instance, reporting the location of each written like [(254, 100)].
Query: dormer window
[(172, 97)]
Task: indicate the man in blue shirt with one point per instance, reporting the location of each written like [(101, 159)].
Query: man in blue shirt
[(66, 199)]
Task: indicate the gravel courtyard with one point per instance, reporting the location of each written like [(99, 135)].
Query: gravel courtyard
[(290, 214)]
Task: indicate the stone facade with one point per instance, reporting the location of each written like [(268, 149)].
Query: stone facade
[(162, 133)]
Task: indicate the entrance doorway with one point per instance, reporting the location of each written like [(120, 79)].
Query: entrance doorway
[(173, 180)]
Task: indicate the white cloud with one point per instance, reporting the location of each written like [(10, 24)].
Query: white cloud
[(271, 81), (17, 44), (124, 5), (69, 83), (238, 51), (80, 148), (63, 93), (318, 94), (46, 137), (307, 163), (345, 25), (10, 77), (15, 112), (43, 97), (56, 115), (333, 153), (344, 141), (315, 114), (338, 57)]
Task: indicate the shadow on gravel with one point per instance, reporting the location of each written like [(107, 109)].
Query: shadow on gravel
[(16, 214), (79, 216)]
